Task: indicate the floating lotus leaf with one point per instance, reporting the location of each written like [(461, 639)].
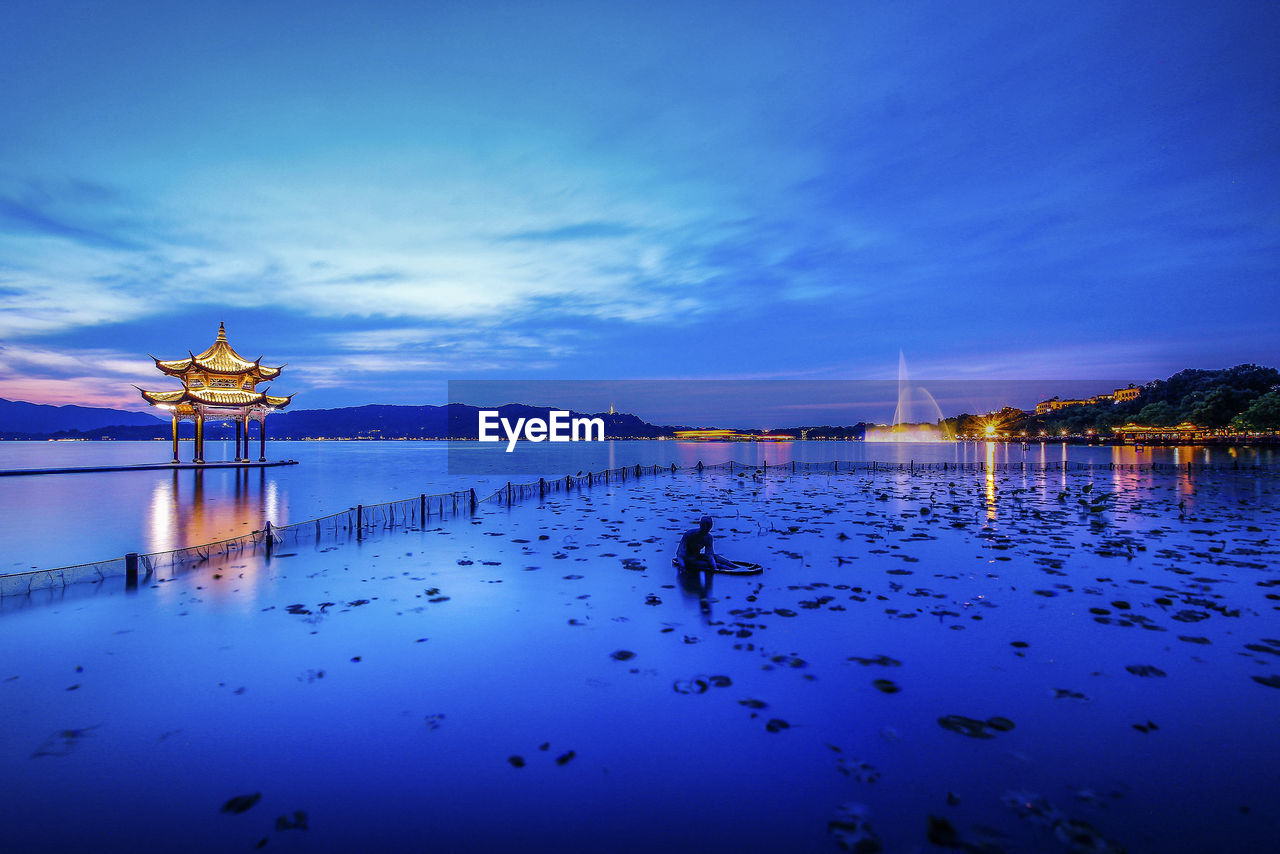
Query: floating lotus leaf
[(241, 803), (966, 726)]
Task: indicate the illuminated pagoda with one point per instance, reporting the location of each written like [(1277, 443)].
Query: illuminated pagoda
[(219, 385)]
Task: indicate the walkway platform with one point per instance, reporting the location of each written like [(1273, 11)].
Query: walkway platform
[(221, 464)]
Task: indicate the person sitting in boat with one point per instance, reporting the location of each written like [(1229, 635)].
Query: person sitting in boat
[(696, 551)]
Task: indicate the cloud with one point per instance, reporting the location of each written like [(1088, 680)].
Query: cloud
[(85, 213), (64, 299), (456, 349), (90, 377), (577, 231), (363, 278), (320, 252), (80, 391), (16, 216)]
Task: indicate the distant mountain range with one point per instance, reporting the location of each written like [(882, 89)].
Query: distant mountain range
[(20, 420), (18, 417)]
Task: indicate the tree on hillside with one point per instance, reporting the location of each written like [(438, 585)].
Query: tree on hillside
[(1216, 408), (1158, 414), (1261, 415), (1205, 398)]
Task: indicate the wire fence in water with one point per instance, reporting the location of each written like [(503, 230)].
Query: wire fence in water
[(350, 524), (355, 523)]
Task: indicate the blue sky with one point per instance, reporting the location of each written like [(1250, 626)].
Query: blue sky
[(388, 196)]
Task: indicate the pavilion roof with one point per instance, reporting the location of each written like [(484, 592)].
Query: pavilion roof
[(221, 358), (229, 397)]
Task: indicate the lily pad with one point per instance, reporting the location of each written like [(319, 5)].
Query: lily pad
[(690, 686), (241, 803), (942, 833), (62, 742), (863, 772), (851, 830), (966, 726)]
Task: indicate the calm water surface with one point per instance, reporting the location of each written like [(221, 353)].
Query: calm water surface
[(61, 520), (1031, 659)]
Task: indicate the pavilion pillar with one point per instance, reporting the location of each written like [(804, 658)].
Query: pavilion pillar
[(240, 429), (199, 453), (262, 439), (175, 437)]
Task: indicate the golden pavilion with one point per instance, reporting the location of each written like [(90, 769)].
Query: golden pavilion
[(219, 385)]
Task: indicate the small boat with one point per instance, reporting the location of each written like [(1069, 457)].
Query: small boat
[(726, 566)]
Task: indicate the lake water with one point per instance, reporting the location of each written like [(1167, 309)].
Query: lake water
[(1004, 661), (62, 520)]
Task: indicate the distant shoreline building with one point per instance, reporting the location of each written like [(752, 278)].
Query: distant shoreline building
[(1123, 394), (1186, 432), (724, 435), (1120, 395), (218, 385)]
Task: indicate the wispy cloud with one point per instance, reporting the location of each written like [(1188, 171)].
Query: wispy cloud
[(87, 377), (79, 212), (17, 216), (576, 231)]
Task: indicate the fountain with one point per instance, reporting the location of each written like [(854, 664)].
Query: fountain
[(904, 427)]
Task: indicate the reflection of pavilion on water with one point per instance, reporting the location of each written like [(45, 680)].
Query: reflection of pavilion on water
[(213, 505), (218, 385), (208, 506)]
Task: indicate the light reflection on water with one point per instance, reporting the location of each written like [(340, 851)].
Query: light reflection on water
[(991, 481), (59, 520), (186, 508)]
